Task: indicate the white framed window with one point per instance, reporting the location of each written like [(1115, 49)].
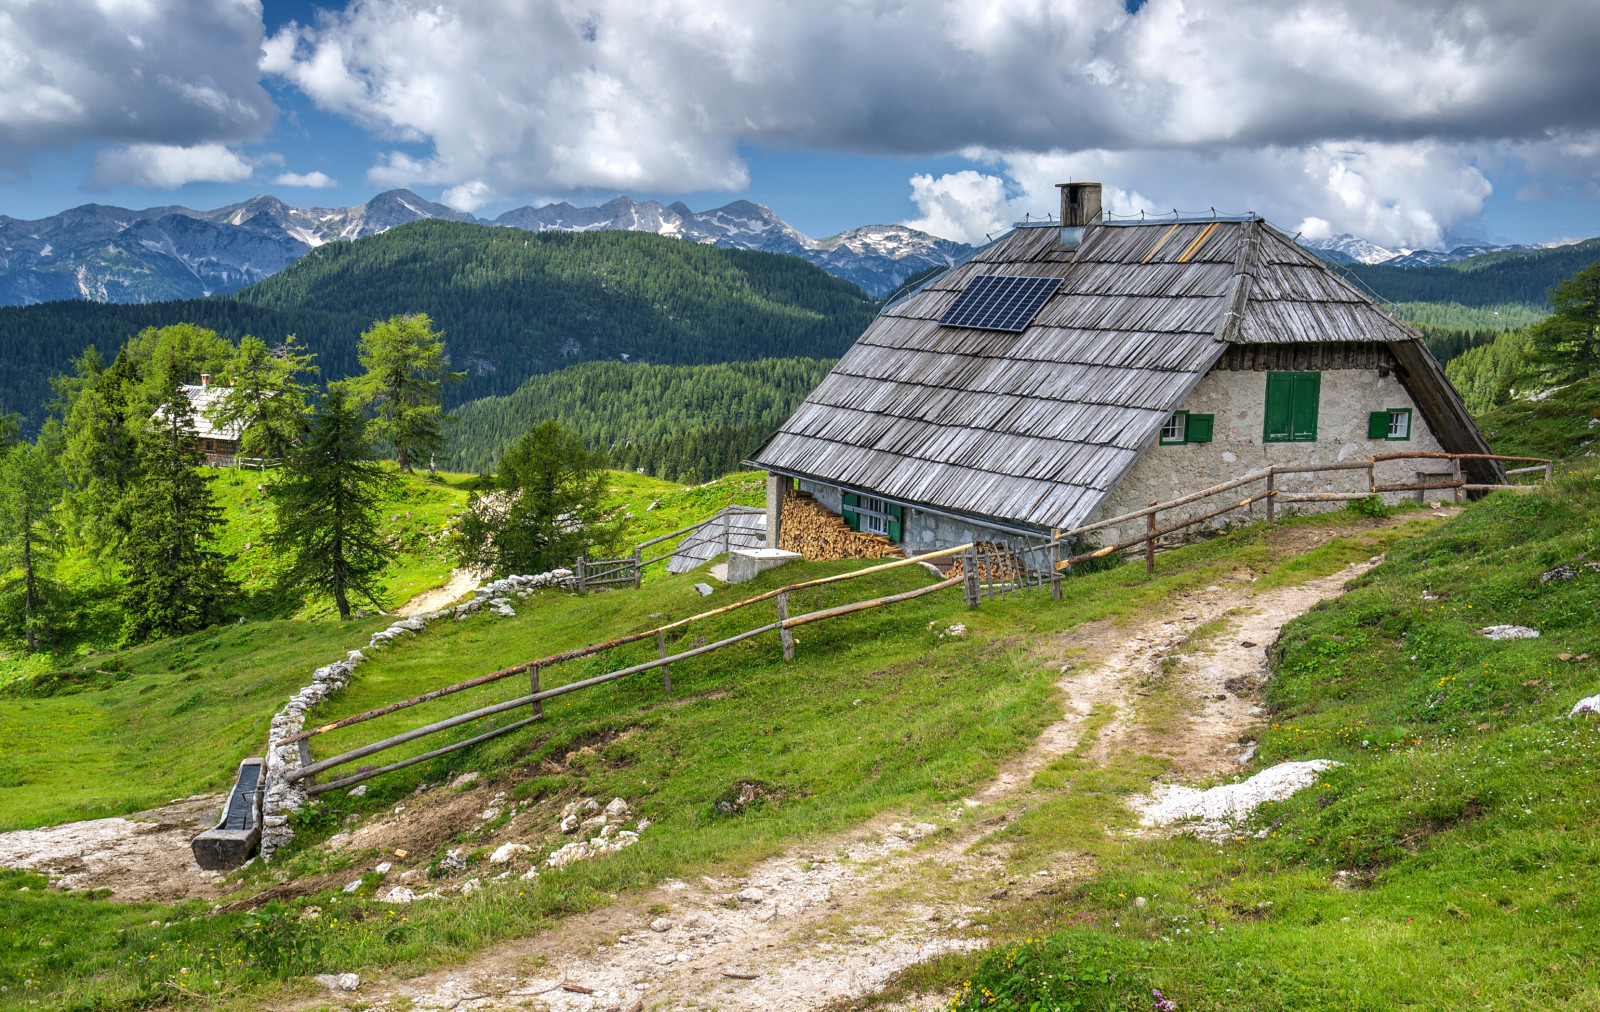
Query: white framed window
[(1399, 424), (1173, 431), (874, 515)]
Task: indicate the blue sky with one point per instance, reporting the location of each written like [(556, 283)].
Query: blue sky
[(1421, 122)]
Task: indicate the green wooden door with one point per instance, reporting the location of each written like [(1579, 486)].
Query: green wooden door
[(1291, 410)]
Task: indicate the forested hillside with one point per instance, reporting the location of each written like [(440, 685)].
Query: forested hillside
[(1491, 279), (509, 303), (683, 423)]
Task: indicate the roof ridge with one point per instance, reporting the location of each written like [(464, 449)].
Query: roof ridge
[(1245, 261)]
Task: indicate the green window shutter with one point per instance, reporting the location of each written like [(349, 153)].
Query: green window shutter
[(1307, 394), (851, 517), (1279, 391), (1199, 429), (1378, 425), (894, 523)]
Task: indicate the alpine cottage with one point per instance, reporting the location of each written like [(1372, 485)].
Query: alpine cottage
[(1081, 370)]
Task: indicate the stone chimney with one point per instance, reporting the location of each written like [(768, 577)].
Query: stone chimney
[(1080, 208), (205, 379)]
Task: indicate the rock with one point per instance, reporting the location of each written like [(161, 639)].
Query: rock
[(643, 825), (1509, 632), (529, 875), (471, 886), (1589, 704), (660, 924), (750, 894), (399, 894), (453, 860), (703, 588), (594, 823), (357, 792), (581, 805), (489, 813), (569, 824), (1560, 574), (506, 851), (338, 981), (352, 886), (666, 959), (411, 875), (617, 811), (464, 780), (383, 868)]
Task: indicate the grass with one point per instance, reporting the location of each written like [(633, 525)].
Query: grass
[(1447, 863), (1556, 427), (876, 712)]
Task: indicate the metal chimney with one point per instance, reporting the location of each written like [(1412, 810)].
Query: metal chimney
[(205, 379), (1080, 208)]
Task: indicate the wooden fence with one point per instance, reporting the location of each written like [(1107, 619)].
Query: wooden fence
[(988, 570)]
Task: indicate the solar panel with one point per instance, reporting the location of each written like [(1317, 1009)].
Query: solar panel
[(997, 302)]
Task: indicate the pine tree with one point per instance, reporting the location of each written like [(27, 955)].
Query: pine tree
[(30, 489), (404, 383), (174, 580), (325, 505), (547, 508)]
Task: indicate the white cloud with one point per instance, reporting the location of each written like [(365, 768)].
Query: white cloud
[(518, 96), (315, 180), (176, 73), (965, 205), (166, 166), (1407, 194)]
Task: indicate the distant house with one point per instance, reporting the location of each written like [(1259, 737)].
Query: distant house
[(220, 446), (1079, 370)]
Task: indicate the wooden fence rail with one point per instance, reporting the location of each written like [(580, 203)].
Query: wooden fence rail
[(997, 570)]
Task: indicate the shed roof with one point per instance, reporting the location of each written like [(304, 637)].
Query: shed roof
[(1037, 427)]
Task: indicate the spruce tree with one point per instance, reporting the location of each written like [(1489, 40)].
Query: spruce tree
[(174, 580), (1566, 345), (325, 505), (404, 384), (30, 489)]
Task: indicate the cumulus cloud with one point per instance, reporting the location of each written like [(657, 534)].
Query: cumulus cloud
[(512, 96), (166, 166), (164, 73), (314, 180)]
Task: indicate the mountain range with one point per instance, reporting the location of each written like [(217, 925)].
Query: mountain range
[(113, 254), (1352, 249)]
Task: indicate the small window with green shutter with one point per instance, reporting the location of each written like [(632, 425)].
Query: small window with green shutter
[(1291, 410), (1199, 429), (1184, 427)]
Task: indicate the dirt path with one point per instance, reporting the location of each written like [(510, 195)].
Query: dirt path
[(144, 856), (461, 583), (836, 920)]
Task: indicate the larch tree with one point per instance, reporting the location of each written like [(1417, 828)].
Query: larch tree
[(407, 370), (1566, 345), (266, 403), (174, 579), (326, 501), (30, 529), (548, 506)]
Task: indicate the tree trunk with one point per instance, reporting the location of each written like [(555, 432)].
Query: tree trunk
[(402, 458), (340, 599), (29, 592)]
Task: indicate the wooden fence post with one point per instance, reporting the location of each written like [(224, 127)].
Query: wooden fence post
[(305, 759), (580, 574), (1272, 500), (533, 689), (666, 669), (1549, 473), (783, 631), (1055, 567), (969, 577), (727, 533), (1455, 468), (638, 569), (1150, 541)]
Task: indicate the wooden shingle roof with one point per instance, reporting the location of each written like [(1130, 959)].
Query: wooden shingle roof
[(1037, 427)]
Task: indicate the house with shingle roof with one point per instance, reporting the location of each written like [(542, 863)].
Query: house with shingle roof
[(1081, 369)]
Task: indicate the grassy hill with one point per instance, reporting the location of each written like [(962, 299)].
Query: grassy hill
[(510, 303), (1443, 864)]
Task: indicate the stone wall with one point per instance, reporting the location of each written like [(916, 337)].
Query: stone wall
[(1237, 400)]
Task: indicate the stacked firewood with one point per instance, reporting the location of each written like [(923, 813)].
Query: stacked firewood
[(997, 563), (818, 533)]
